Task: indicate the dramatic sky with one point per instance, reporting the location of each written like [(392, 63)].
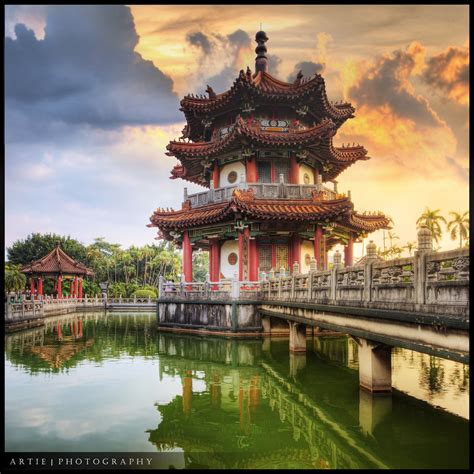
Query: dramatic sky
[(92, 98)]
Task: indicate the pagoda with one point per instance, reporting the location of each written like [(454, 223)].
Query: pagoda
[(265, 151)]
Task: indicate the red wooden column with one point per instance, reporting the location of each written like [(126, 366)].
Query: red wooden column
[(215, 175), (72, 286), (240, 239), (318, 234), (315, 175), (214, 260), (296, 251), (294, 170), (80, 288), (349, 252), (32, 286), (76, 286), (253, 260), (251, 170), (187, 257), (58, 287), (40, 286)]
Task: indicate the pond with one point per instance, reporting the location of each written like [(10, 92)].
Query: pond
[(114, 382)]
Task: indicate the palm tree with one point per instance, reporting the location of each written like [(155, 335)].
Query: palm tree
[(459, 224), (15, 281), (432, 219), (392, 236), (410, 246)]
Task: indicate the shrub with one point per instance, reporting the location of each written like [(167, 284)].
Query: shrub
[(144, 293)]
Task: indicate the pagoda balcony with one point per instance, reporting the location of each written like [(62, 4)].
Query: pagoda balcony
[(261, 191)]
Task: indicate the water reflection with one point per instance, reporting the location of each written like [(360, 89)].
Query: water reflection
[(223, 402)]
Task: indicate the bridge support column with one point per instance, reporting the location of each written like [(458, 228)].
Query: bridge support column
[(297, 337), (266, 325), (373, 409), (375, 366)]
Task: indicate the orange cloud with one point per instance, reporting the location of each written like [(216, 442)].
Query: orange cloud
[(449, 72)]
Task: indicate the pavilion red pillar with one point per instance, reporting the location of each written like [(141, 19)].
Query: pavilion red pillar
[(318, 234), (187, 257), (251, 170), (58, 287), (71, 288), (80, 288), (215, 175), (214, 260), (296, 251), (294, 170), (315, 175), (349, 252), (253, 260), (40, 286), (240, 239), (76, 286)]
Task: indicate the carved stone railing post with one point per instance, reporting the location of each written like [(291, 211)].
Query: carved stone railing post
[(160, 285), (333, 284), (235, 287), (371, 257), (292, 290), (279, 286), (309, 293), (425, 246)]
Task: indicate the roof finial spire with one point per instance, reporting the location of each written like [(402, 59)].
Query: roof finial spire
[(261, 60)]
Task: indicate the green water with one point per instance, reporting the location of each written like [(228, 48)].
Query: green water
[(115, 383)]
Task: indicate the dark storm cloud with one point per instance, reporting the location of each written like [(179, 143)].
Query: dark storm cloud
[(85, 72), (449, 71), (308, 68), (385, 84), (274, 62), (199, 40)]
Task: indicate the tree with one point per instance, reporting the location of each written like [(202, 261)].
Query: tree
[(410, 246), (432, 219), (15, 281), (38, 245), (459, 225), (200, 265)]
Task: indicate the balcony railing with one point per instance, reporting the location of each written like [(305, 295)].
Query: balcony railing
[(261, 191)]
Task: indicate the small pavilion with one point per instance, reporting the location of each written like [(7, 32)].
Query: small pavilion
[(57, 265)]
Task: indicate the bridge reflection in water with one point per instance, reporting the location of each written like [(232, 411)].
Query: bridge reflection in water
[(251, 404), (259, 408)]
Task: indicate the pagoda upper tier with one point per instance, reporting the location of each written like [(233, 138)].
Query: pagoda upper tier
[(312, 145), (307, 97)]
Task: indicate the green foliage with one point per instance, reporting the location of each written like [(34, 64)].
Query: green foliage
[(459, 225), (126, 270), (15, 281), (38, 245), (432, 219), (145, 293), (200, 265)]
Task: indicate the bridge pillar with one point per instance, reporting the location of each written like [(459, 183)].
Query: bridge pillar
[(266, 325), (373, 409), (375, 366), (297, 337)]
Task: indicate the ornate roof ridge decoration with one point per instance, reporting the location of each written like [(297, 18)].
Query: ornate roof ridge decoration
[(262, 84), (57, 261), (243, 202), (325, 129)]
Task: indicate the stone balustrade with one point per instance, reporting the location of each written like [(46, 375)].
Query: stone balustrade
[(261, 191), (43, 307), (431, 282)]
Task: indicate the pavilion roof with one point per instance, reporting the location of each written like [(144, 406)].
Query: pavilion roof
[(261, 85), (57, 262), (196, 156), (244, 204)]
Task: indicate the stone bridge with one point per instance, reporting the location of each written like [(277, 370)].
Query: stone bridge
[(420, 303)]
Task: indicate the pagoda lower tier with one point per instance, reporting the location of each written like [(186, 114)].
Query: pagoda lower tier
[(249, 237)]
